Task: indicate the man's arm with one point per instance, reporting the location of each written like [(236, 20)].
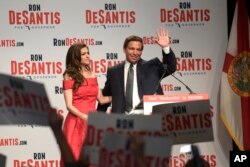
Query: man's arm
[(169, 62), (169, 59), (106, 91)]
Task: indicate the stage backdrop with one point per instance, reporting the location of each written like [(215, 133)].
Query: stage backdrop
[(36, 34)]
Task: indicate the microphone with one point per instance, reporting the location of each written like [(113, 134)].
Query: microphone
[(140, 105), (187, 87)]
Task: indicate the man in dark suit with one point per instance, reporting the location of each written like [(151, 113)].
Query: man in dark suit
[(146, 75)]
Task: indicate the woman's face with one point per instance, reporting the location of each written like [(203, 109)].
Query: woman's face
[(85, 58)]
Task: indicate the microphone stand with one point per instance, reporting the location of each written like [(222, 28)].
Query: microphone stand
[(140, 105), (188, 88), (166, 70)]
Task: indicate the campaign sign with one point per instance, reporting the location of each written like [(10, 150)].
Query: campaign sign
[(186, 122), (150, 100), (22, 101), (98, 123), (121, 150)]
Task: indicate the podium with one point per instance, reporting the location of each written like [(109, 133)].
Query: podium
[(186, 118)]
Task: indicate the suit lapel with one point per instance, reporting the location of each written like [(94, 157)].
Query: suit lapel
[(139, 74), (121, 76)]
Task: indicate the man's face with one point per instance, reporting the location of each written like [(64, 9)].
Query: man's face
[(133, 51)]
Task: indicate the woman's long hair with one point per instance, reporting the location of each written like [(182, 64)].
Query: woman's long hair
[(73, 63)]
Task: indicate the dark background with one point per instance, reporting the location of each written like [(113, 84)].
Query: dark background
[(230, 11)]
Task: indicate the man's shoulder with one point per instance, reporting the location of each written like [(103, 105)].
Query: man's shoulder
[(153, 61), (117, 66)]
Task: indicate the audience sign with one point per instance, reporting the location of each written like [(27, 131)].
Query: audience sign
[(22, 101), (121, 150), (186, 122), (98, 123)]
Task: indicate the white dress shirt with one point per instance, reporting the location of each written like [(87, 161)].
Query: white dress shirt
[(135, 98)]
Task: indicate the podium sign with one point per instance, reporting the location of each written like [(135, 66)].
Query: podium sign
[(151, 100), (185, 118), (186, 122)]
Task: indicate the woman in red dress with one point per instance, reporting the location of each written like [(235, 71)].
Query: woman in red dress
[(81, 92)]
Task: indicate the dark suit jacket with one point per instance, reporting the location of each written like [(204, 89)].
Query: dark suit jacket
[(149, 74)]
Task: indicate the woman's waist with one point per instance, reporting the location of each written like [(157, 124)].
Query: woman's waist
[(84, 108)]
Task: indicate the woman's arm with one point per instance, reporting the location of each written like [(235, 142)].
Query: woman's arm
[(68, 97)]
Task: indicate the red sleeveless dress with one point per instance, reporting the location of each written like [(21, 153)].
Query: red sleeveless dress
[(84, 99)]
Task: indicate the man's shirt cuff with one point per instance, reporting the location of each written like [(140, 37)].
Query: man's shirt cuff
[(166, 49)]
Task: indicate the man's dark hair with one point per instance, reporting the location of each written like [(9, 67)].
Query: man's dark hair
[(132, 38)]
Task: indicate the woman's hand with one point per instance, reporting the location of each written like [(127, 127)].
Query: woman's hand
[(84, 117)]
